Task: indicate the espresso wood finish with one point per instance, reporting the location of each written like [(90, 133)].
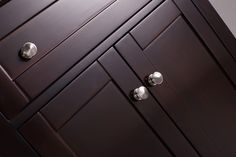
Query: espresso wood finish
[(210, 39), (148, 30), (215, 21), (12, 143), (75, 97), (15, 13), (150, 109), (38, 132), (109, 126), (204, 106), (77, 46), (47, 30), (201, 106), (106, 125), (62, 107), (56, 87), (12, 100)]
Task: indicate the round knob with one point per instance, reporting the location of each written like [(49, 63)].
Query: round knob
[(140, 93), (155, 79), (28, 50)]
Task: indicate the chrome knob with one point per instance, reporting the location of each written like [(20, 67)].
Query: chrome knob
[(155, 79), (140, 93), (28, 50)]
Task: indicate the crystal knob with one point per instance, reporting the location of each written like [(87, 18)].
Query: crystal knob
[(155, 79), (28, 50), (140, 93)]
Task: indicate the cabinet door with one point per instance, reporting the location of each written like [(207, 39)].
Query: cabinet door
[(92, 118), (195, 92), (149, 109)]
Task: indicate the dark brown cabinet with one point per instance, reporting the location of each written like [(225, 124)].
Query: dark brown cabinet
[(61, 57), (106, 125), (202, 107), (15, 13), (90, 90)]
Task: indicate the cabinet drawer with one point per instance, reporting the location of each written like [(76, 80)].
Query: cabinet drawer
[(47, 30), (15, 13), (91, 117), (77, 46), (195, 92)]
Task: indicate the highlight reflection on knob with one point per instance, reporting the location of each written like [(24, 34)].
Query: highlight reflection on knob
[(28, 50), (140, 93), (155, 79)]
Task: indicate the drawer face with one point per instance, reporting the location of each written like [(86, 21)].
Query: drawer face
[(47, 30), (195, 92), (77, 46), (103, 124), (15, 13)]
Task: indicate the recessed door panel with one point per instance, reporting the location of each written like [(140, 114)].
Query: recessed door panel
[(109, 126), (203, 102), (195, 92)]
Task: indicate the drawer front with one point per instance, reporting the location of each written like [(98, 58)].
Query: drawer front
[(47, 30), (15, 13), (195, 92), (91, 117), (77, 46)]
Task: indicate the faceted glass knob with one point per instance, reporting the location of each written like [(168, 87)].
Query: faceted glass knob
[(28, 50), (140, 93), (155, 79)]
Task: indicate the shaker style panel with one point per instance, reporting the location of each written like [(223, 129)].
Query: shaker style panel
[(12, 143), (204, 99), (38, 132), (77, 46), (149, 109), (64, 105), (12, 100), (109, 126), (104, 125), (155, 23), (194, 92), (47, 30), (14, 13)]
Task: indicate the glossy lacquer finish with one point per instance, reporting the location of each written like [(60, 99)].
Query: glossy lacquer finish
[(195, 93), (103, 124)]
